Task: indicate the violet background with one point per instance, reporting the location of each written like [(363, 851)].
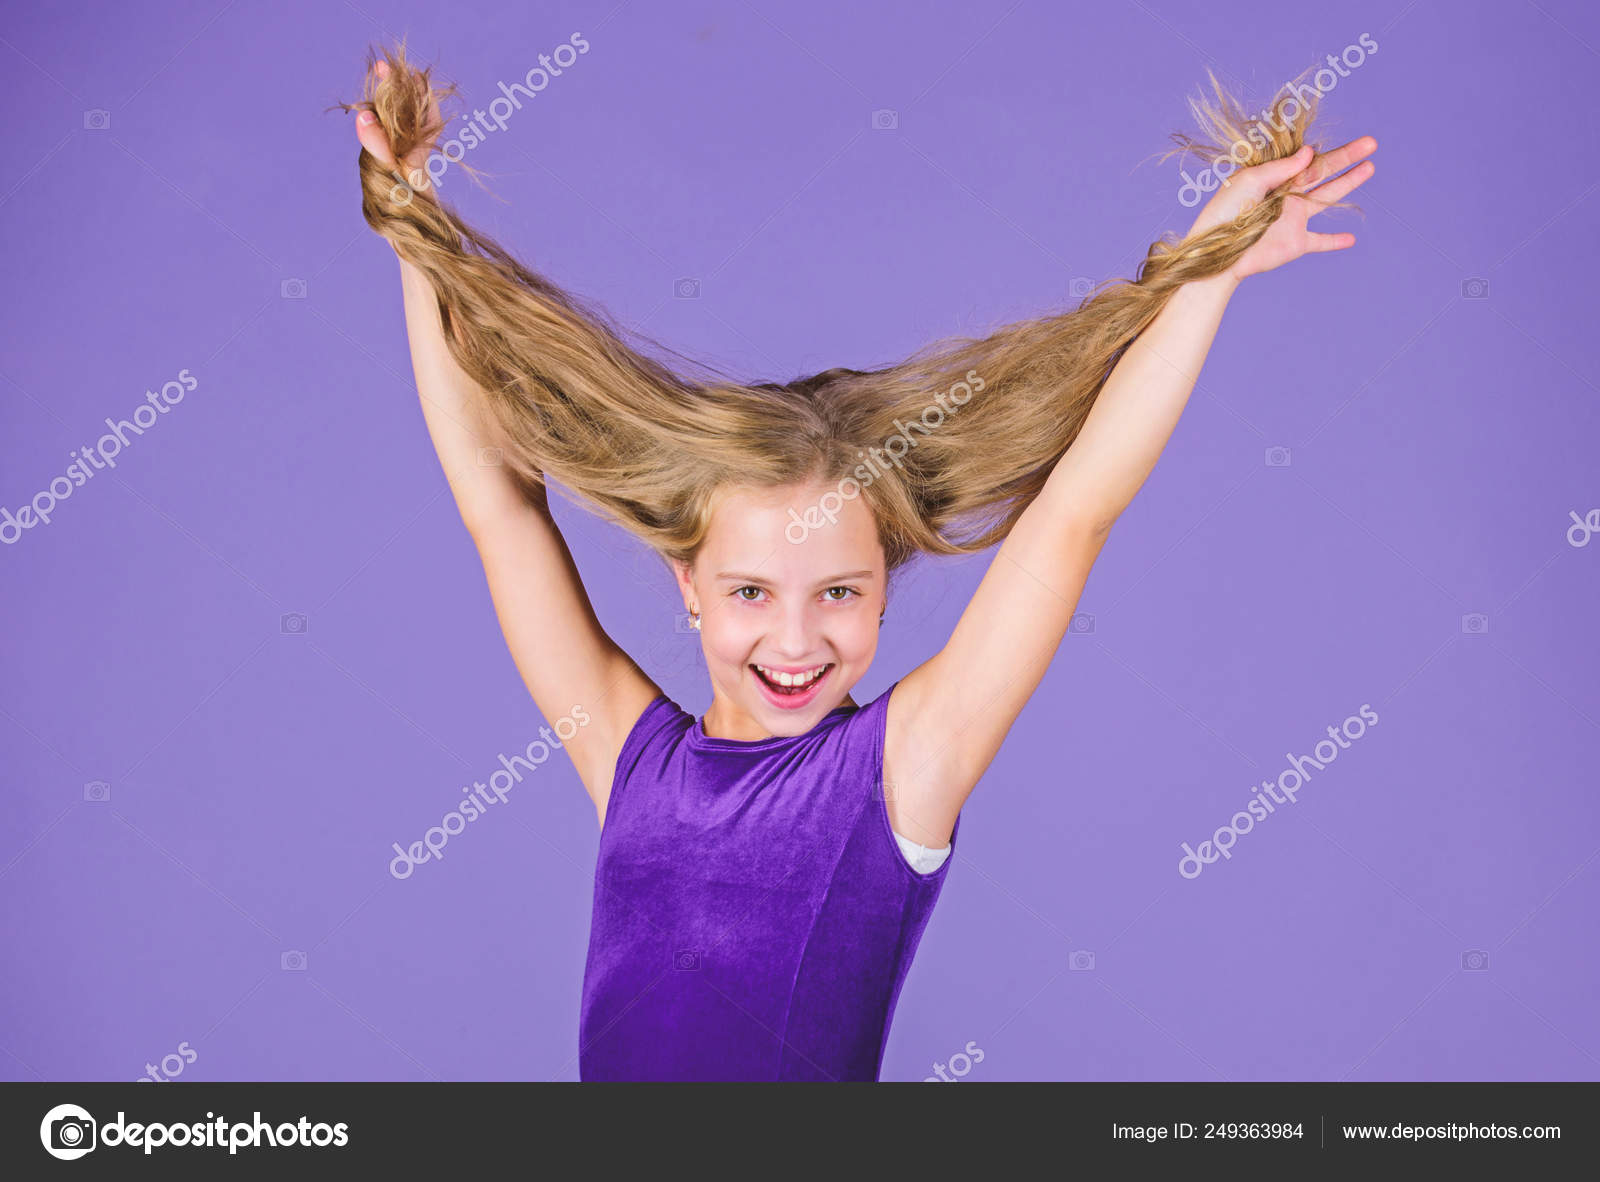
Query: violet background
[(257, 779)]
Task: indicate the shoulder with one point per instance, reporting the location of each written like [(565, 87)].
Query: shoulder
[(861, 731), (633, 713)]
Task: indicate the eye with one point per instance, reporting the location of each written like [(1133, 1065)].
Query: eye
[(739, 591), (848, 590)]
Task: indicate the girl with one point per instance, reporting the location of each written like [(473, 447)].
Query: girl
[(765, 871)]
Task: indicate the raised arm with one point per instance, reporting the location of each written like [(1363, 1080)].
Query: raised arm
[(570, 666), (948, 716)]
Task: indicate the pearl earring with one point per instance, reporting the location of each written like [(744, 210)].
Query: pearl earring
[(694, 620)]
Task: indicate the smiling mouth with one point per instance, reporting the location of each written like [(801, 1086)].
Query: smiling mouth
[(793, 691)]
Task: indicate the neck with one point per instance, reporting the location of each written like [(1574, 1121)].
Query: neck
[(723, 721)]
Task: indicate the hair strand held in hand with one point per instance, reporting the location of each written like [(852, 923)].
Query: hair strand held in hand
[(650, 445)]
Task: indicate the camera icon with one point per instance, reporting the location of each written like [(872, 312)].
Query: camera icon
[(1277, 457), (1475, 623), (490, 457), (1080, 286), (97, 791), (68, 1132), (1082, 622), (1474, 960), (96, 119), (1475, 289), (293, 961), (293, 624), (687, 289), (885, 120), (883, 790), (684, 622), (72, 1133), (1081, 962), (687, 960)]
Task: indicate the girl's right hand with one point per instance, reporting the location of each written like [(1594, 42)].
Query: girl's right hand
[(376, 141)]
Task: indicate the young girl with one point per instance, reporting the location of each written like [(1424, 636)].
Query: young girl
[(765, 872)]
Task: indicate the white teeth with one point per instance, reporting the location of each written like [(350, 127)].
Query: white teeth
[(792, 679)]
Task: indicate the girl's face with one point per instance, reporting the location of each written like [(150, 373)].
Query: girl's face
[(784, 602)]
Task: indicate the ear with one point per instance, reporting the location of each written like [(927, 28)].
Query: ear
[(685, 576)]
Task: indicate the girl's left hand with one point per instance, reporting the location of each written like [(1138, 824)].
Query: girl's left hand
[(1287, 238)]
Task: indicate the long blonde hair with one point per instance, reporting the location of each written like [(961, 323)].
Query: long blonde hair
[(649, 445)]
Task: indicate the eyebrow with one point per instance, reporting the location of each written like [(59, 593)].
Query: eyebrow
[(749, 578)]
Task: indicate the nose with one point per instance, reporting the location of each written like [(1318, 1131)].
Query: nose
[(792, 637)]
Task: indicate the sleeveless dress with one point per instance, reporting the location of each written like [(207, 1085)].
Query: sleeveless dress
[(754, 916)]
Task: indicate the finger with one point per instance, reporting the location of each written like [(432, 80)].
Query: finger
[(1335, 161), (1273, 173), (1341, 187), (1317, 243), (373, 138)]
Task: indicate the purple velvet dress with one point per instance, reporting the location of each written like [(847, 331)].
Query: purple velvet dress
[(754, 917)]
